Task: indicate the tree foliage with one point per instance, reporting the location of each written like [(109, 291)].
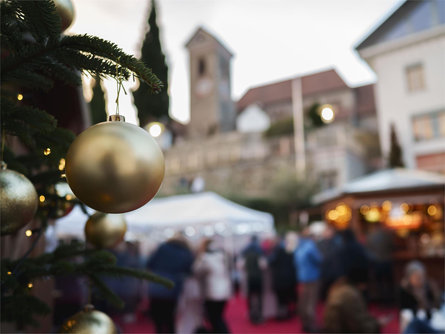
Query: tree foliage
[(36, 58), (395, 151), (97, 104), (151, 107)]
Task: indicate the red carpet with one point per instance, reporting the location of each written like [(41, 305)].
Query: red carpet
[(237, 318)]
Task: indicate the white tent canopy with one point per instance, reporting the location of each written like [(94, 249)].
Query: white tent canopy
[(196, 214)]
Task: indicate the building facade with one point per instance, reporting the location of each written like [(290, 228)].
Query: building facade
[(228, 145), (407, 52)]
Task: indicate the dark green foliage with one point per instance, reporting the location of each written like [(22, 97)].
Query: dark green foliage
[(313, 117), (395, 152), (97, 104), (151, 107), (36, 58), (280, 128)]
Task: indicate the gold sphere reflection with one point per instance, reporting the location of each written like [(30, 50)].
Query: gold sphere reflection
[(114, 167), (104, 230), (18, 203), (89, 321)]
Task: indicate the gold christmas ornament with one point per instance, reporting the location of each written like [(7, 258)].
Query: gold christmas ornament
[(65, 10), (18, 203), (89, 321), (114, 167), (104, 230)]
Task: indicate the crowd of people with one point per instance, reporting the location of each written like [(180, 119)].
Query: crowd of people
[(301, 270)]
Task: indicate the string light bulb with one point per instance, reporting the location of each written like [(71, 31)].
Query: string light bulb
[(28, 233), (62, 164), (19, 97), (47, 151)]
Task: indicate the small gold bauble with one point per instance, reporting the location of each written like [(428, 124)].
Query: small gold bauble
[(65, 10), (18, 203), (89, 321), (104, 230), (114, 167)]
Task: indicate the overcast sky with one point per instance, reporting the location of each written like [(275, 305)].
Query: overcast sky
[(271, 40)]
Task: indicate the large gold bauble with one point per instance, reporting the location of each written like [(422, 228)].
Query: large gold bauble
[(18, 201), (65, 10), (114, 167), (104, 230), (89, 321)]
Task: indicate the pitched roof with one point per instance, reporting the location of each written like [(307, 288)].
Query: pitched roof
[(384, 180), (281, 91), (409, 18), (365, 100), (202, 31)]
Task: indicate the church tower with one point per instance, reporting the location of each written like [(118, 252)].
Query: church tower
[(211, 106)]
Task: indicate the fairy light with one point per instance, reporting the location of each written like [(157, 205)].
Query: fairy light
[(30, 285), (9, 273), (19, 97), (432, 210), (69, 197), (62, 164), (28, 233), (47, 151), (42, 198)]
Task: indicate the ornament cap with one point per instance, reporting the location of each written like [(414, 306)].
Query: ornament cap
[(88, 308), (116, 118)]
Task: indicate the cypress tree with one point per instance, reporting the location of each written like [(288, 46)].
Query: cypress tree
[(149, 106), (395, 152), (97, 104)]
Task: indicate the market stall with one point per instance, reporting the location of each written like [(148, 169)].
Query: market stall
[(408, 202)]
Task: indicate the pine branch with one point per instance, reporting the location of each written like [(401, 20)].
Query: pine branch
[(98, 47), (141, 274), (21, 307), (41, 19), (106, 292)]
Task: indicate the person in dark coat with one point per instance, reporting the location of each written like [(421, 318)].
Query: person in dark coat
[(355, 261), (331, 265), (253, 256), (284, 278), (173, 260)]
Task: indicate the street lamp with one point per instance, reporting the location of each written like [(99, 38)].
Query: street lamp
[(327, 113), (155, 129)]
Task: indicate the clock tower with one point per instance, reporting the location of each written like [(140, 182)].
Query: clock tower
[(211, 106)]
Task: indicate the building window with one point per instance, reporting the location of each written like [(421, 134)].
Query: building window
[(415, 78), (328, 179), (201, 67), (429, 126)]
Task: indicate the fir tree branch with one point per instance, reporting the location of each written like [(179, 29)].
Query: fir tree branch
[(106, 292)]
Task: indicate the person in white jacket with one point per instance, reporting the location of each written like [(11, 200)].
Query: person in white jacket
[(212, 268)]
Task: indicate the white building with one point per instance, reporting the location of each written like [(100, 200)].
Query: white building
[(407, 52)]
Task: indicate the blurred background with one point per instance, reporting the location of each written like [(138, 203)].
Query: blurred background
[(298, 135)]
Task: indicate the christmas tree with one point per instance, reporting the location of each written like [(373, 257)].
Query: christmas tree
[(152, 107), (38, 63)]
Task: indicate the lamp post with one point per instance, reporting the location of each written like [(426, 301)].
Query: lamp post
[(299, 142)]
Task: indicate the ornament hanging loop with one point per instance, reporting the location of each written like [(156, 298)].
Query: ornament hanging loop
[(120, 86)]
